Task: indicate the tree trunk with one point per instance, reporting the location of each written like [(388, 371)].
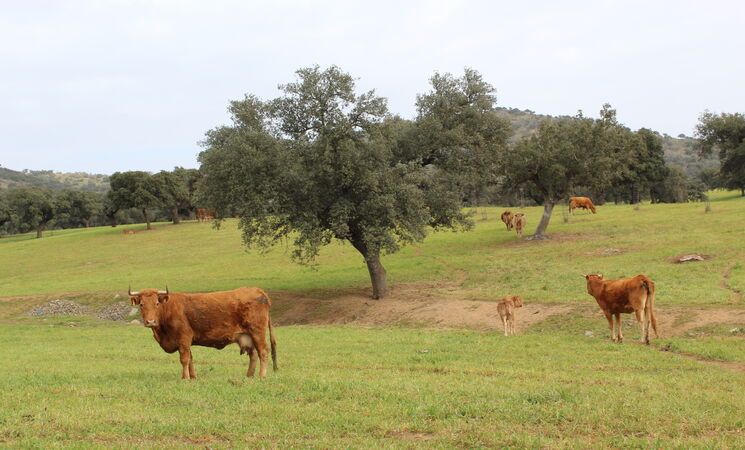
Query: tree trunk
[(38, 233), (635, 194), (175, 217), (378, 276), (147, 218), (548, 207)]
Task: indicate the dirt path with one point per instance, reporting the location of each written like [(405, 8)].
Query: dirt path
[(736, 294)]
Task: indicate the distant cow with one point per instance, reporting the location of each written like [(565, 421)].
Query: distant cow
[(213, 319), (581, 202), (518, 222), (625, 295), (128, 231), (205, 214), (507, 312), (507, 218)]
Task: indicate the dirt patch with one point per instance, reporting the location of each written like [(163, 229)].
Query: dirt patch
[(690, 257), (428, 306)]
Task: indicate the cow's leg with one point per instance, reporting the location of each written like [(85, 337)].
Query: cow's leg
[(192, 372), (639, 314), (258, 335), (504, 324), (646, 319), (609, 317), (618, 322), (251, 362), (185, 357)]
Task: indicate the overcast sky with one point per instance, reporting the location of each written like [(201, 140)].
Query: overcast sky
[(103, 86)]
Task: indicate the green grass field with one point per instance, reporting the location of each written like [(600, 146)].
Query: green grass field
[(77, 381)]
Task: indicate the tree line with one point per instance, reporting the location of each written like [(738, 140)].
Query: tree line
[(134, 197)]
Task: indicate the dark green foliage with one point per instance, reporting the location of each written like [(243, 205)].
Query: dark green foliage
[(322, 162), (458, 131), (673, 188), (725, 133), (135, 189), (77, 208), (32, 208), (175, 193)]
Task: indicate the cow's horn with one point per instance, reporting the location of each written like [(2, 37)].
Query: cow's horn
[(163, 292), (132, 294)]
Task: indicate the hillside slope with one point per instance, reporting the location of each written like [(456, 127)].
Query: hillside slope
[(55, 181)]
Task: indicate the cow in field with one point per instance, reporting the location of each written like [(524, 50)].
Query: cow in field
[(205, 214), (625, 295), (507, 218), (128, 231), (213, 319), (507, 312), (581, 202), (518, 222)]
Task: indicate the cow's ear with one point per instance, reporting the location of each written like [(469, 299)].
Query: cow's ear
[(135, 300), (162, 298), (600, 275)]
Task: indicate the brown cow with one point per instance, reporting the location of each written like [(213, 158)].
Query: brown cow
[(519, 221), (625, 295), (205, 215), (213, 319), (581, 202), (506, 309), (507, 219), (128, 231)]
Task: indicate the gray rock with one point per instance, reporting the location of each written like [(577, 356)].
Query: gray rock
[(136, 322), (59, 307), (589, 333), (116, 311)]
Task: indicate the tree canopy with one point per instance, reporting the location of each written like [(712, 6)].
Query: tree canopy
[(323, 162), (32, 208), (135, 189), (725, 133)]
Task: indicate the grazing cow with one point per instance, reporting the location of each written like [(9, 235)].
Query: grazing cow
[(205, 215), (128, 231), (507, 312), (507, 219), (625, 295), (214, 319), (581, 202), (519, 221)]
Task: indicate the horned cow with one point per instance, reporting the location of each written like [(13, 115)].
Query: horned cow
[(214, 319)]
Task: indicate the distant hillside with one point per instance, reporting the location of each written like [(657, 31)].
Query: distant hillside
[(680, 151), (55, 181)]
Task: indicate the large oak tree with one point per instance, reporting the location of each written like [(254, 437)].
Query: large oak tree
[(323, 162)]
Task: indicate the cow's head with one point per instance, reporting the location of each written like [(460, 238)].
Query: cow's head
[(149, 301), (517, 301), (593, 279)]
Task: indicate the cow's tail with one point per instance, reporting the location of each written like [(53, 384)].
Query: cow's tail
[(649, 286), (273, 342)]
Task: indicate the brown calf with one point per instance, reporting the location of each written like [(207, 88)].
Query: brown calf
[(507, 218), (506, 309), (519, 221), (623, 296), (213, 319)]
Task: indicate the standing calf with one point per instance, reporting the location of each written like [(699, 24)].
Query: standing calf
[(519, 221), (625, 295), (507, 219), (507, 312)]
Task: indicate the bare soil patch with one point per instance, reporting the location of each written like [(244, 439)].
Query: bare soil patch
[(430, 306)]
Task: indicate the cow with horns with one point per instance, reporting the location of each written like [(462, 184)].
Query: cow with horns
[(214, 319)]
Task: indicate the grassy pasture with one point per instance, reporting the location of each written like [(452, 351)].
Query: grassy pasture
[(196, 257), (83, 382), (349, 387)]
